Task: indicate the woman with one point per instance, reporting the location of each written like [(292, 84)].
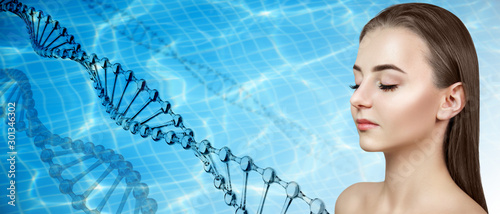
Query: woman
[(416, 99)]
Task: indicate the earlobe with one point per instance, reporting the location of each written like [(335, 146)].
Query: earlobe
[(452, 102)]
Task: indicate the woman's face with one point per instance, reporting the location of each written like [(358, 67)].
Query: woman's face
[(396, 90)]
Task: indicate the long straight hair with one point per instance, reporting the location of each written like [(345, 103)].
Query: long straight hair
[(453, 59)]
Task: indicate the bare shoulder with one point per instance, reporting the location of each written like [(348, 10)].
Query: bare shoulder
[(465, 204), (354, 196), (458, 202), (466, 207)]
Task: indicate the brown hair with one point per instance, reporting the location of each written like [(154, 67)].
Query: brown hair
[(453, 59)]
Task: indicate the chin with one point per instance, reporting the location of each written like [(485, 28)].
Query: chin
[(370, 145)]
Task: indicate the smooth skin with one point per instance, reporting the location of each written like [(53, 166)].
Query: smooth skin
[(395, 89)]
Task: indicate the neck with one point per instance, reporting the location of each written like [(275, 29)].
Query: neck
[(414, 172)]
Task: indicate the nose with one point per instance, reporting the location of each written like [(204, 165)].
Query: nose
[(361, 98)]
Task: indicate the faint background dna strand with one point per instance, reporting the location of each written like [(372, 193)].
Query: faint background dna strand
[(70, 172), (137, 108), (268, 79), (220, 84)]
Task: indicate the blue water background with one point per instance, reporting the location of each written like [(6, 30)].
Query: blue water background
[(279, 93)]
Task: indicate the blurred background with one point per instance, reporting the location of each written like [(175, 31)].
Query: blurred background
[(267, 79)]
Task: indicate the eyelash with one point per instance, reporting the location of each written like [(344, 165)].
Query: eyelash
[(354, 87), (381, 86)]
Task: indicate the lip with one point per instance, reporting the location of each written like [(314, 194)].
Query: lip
[(364, 124)]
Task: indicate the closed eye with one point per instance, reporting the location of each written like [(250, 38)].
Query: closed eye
[(381, 86), (387, 87)]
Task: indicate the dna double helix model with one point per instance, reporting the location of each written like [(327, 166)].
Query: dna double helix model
[(135, 107), (16, 85)]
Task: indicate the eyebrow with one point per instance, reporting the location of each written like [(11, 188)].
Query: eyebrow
[(381, 68)]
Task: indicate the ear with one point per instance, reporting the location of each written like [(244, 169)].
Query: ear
[(452, 102)]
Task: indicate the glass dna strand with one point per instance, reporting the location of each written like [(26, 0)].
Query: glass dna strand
[(16, 88), (139, 109)]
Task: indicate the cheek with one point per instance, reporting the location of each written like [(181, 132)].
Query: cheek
[(411, 116)]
